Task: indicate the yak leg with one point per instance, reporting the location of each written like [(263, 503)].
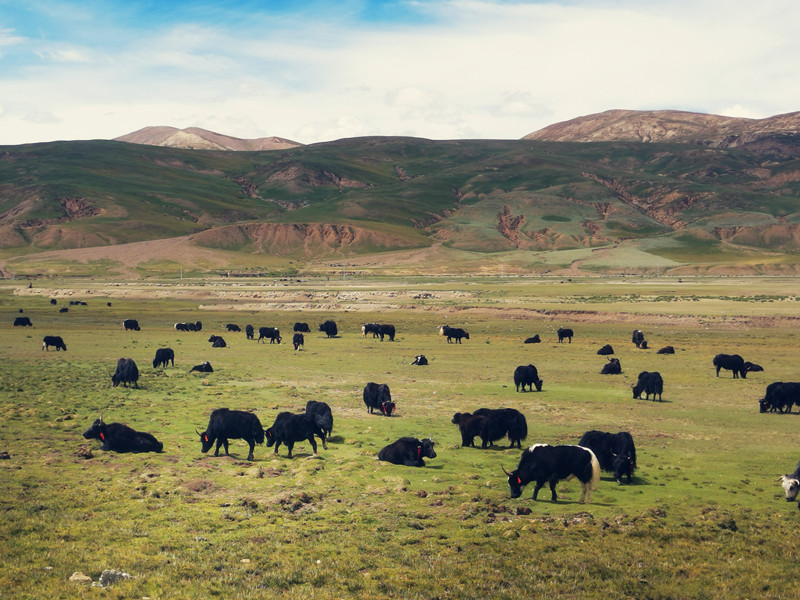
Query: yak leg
[(252, 447), (536, 489), (553, 483), (314, 443), (289, 446)]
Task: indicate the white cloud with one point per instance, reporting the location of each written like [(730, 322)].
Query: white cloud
[(474, 69)]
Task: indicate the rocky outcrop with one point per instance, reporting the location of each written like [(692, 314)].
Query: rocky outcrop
[(509, 226)]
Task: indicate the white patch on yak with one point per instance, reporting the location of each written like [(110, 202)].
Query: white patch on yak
[(790, 486)]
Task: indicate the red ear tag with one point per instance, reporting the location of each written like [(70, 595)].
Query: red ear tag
[(205, 438), (102, 437), (519, 481)]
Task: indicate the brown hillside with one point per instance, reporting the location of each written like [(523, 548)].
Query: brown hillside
[(667, 126), (195, 138)]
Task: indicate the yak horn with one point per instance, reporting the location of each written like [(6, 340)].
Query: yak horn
[(197, 432), (504, 470)]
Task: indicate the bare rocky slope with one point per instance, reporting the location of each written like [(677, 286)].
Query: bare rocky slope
[(196, 138), (668, 126)]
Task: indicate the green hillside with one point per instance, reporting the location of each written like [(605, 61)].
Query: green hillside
[(360, 196)]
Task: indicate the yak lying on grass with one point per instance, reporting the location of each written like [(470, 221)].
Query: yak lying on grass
[(408, 451), (121, 438)]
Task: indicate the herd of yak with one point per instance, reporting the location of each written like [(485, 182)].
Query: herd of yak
[(540, 463)]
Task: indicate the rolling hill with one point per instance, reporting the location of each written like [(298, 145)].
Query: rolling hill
[(685, 205)]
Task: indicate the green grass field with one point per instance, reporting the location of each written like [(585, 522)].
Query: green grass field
[(703, 519)]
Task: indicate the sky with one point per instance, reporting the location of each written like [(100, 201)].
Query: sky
[(314, 71)]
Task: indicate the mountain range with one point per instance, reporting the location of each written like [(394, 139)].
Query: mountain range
[(616, 192)]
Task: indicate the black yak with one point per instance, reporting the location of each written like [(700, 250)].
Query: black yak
[(53, 340), (408, 451), (543, 463), (289, 428), (163, 357), (127, 373), (225, 424), (121, 438)]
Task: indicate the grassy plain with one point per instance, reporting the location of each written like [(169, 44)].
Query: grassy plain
[(703, 519)]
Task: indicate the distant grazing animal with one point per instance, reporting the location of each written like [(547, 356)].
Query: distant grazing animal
[(501, 422), (408, 451), (297, 340), (329, 328), (643, 345), (249, 332), (164, 356), (457, 334), (443, 330), (53, 340), (53, 301), (666, 350), (527, 375), (131, 325), (377, 396), (273, 334), (612, 367), (791, 484), (370, 328), (606, 350), (533, 340), (386, 330), (198, 326), (22, 322), (752, 367), (420, 360), (564, 333), (322, 415), (232, 327), (289, 428), (203, 368), (127, 373), (637, 338), (225, 424), (780, 396), (730, 362), (648, 383), (301, 328), (543, 463), (217, 341), (63, 309), (615, 452), (121, 438)]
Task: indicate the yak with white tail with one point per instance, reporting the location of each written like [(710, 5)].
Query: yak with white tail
[(543, 463)]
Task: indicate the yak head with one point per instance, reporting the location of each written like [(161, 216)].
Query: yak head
[(538, 383), (514, 482), (206, 440), (270, 437), (623, 467), (790, 485), (637, 390), (97, 431), (387, 406), (426, 450), (763, 405)]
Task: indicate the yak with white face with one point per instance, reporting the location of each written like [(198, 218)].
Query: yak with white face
[(791, 484)]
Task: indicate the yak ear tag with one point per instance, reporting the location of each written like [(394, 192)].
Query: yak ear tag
[(205, 437), (519, 481), (102, 437)]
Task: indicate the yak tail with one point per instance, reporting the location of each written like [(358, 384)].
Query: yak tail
[(595, 471)]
